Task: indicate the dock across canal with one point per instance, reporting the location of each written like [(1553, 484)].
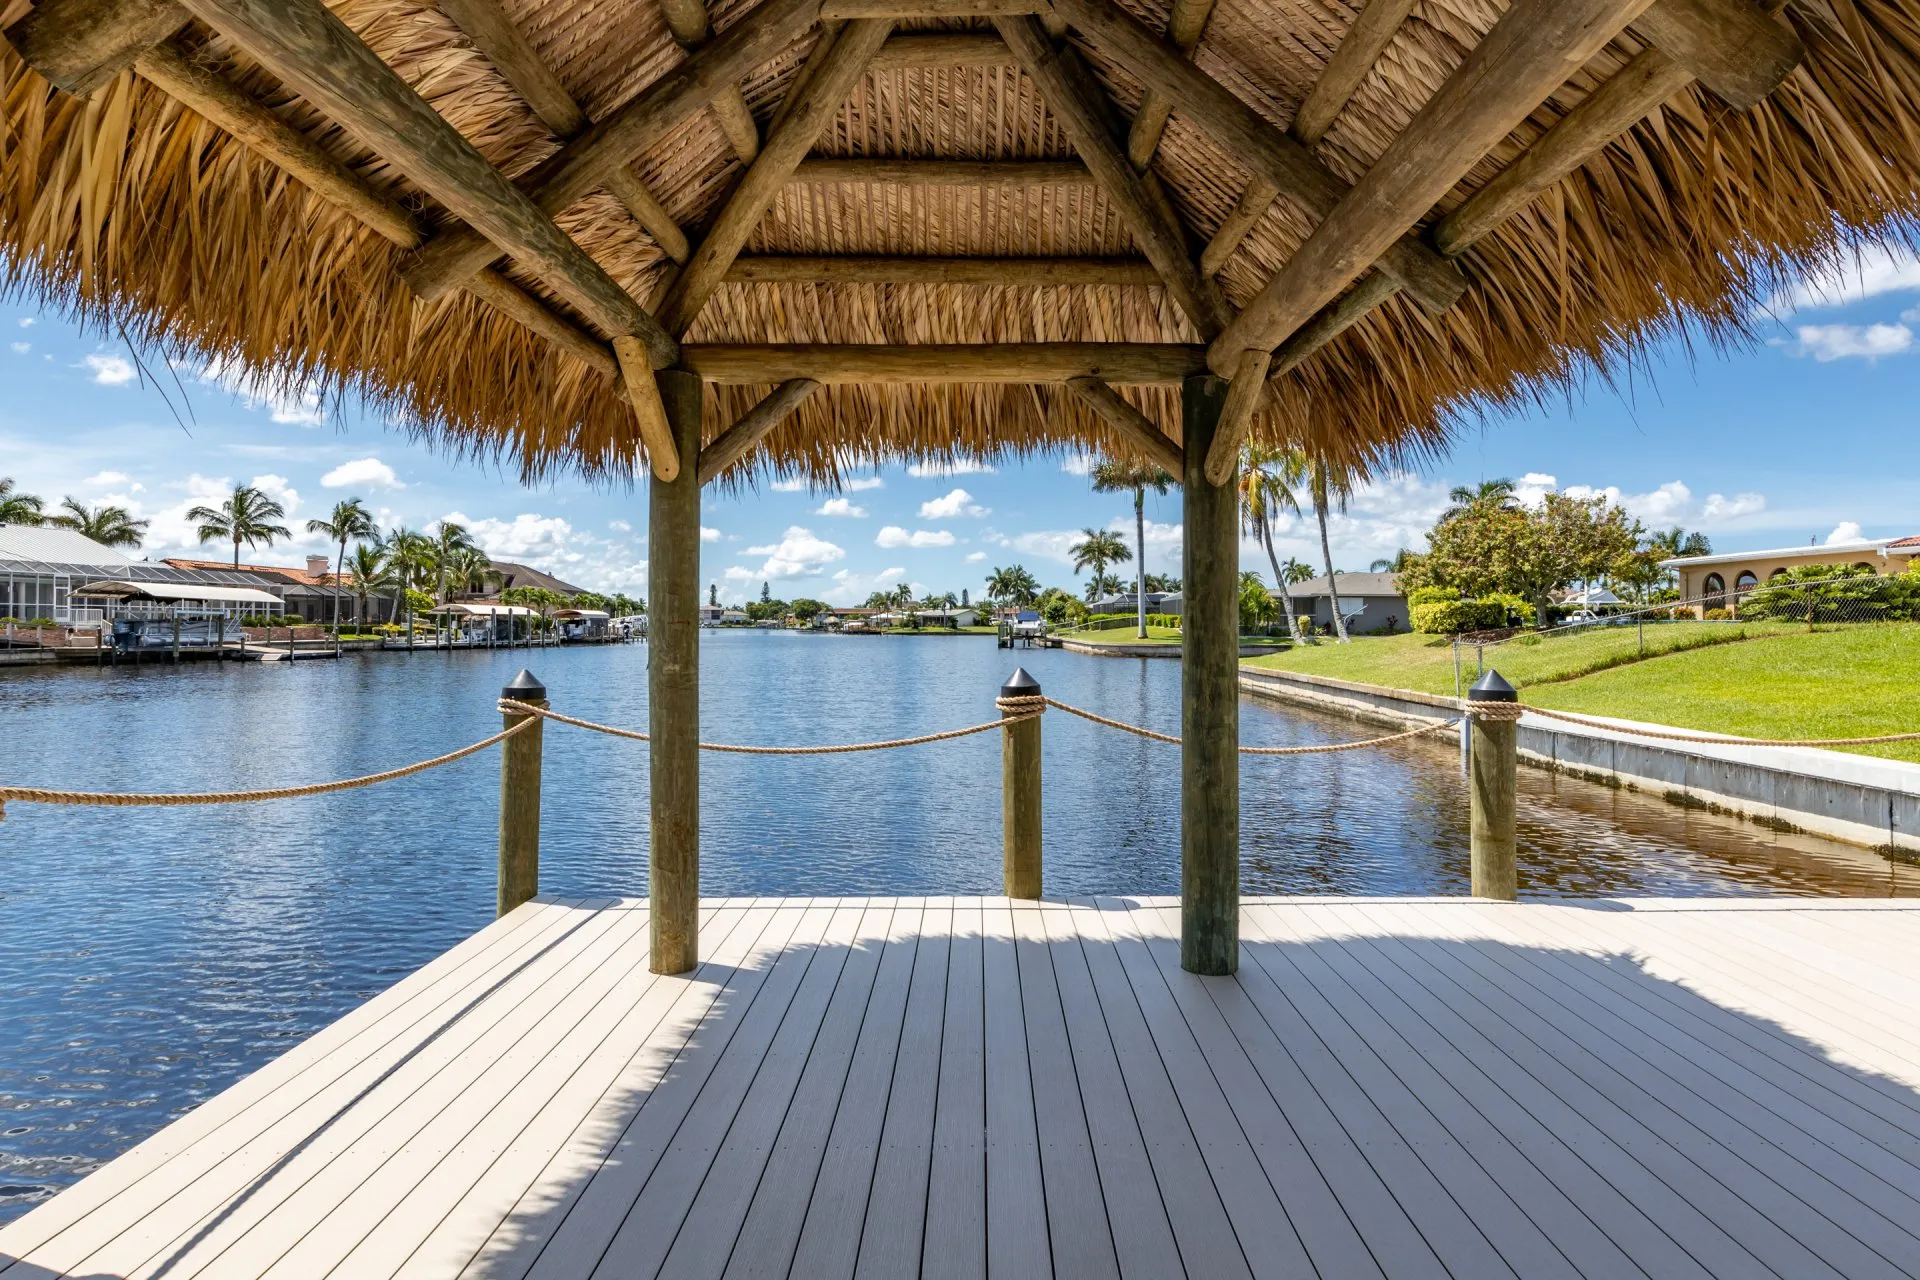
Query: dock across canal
[(984, 1086)]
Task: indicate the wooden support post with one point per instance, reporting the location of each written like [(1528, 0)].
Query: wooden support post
[(1209, 698), (520, 797), (1020, 794), (1492, 766), (673, 686), (176, 636), (79, 45)]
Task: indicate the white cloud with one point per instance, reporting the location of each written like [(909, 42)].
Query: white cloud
[(840, 507), (798, 554), (860, 484), (27, 322), (1670, 503), (976, 557), (1533, 486), (1079, 464), (280, 490), (951, 467), (850, 588), (621, 526), (1844, 532), (548, 539), (1829, 342), (104, 478), (709, 535), (1720, 507), (1048, 544), (110, 370), (793, 485), (21, 348), (295, 405), (893, 536), (957, 503), (1869, 274), (370, 473)]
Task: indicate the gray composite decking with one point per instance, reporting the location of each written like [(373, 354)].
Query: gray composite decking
[(968, 1086)]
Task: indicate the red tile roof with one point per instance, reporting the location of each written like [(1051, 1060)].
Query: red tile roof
[(299, 577)]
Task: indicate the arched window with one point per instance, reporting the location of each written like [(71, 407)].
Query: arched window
[(1716, 592), (1747, 581), (1777, 573), (1868, 567)]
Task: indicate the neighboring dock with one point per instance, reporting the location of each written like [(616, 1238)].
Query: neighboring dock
[(1407, 1087)]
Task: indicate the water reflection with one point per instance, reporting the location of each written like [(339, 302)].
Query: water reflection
[(148, 958)]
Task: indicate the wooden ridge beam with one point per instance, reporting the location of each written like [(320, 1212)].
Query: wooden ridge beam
[(79, 45), (581, 165), (1131, 425), (1528, 55), (943, 173), (309, 49), (733, 444), (1015, 272), (894, 10), (837, 65), (940, 49), (1271, 154), (1085, 123), (1730, 46), (1123, 363), (515, 58), (692, 27), (1184, 25), (219, 101)]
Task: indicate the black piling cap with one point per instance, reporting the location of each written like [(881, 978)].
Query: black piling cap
[(1492, 687), (524, 688), (1020, 685)]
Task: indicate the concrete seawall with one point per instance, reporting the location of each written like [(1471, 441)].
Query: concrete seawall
[(1861, 800)]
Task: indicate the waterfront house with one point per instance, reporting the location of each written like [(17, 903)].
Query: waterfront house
[(1718, 581), (1371, 602), (309, 593), (42, 568), (1127, 602), (509, 574), (935, 618)]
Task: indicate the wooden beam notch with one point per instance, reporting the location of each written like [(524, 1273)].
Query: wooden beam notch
[(79, 45), (691, 26)]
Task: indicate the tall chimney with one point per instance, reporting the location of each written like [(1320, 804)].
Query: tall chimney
[(319, 566)]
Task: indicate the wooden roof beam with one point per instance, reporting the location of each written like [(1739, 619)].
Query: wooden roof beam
[(1014, 272), (1730, 46), (733, 444), (1131, 425), (1528, 55), (581, 166), (837, 64), (691, 26), (895, 10), (1271, 154), (515, 58), (79, 45), (1184, 25), (943, 173), (940, 49), (1349, 65), (1123, 363), (1084, 120)]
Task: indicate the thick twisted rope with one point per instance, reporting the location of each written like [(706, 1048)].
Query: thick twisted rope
[(1315, 750), (1722, 739), (731, 748), (116, 799)]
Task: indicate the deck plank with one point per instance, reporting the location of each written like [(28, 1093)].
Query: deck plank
[(977, 1086)]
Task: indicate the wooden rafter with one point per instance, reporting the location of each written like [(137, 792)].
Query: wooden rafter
[(581, 166), (908, 49), (514, 56), (1085, 122), (836, 68), (1270, 153), (1184, 25), (733, 444), (691, 26), (803, 269), (1122, 363), (943, 173), (79, 45), (1730, 46), (1127, 422)]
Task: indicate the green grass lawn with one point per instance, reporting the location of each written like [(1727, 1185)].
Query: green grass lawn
[(1126, 635), (1762, 680)]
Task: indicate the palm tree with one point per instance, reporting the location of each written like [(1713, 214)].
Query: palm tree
[(1329, 486), (1677, 542), (109, 526), (17, 507), (410, 556), (1497, 494), (245, 517), (450, 542), (1014, 586), (1111, 476), (1401, 559), (371, 573), (1096, 550), (471, 571), (349, 522), (1269, 478)]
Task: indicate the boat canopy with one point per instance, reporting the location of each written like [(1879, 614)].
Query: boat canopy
[(177, 592)]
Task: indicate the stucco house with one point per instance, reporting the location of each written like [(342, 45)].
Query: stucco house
[(1370, 601), (1717, 581)]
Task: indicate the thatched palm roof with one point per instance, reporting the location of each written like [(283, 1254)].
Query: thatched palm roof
[(127, 206)]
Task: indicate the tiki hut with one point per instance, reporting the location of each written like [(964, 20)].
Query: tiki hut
[(792, 236)]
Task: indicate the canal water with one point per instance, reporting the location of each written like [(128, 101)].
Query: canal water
[(151, 957)]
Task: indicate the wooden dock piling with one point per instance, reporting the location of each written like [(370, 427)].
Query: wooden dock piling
[(520, 798), (1020, 794), (1492, 769)]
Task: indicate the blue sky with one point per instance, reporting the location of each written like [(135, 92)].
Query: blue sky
[(1809, 435)]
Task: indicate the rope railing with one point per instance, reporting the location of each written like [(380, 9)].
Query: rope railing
[(514, 707), (116, 799)]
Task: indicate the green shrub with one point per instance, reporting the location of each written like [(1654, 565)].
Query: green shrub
[(1433, 595), (1520, 611), (1847, 595), (1716, 615), (1451, 617)]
